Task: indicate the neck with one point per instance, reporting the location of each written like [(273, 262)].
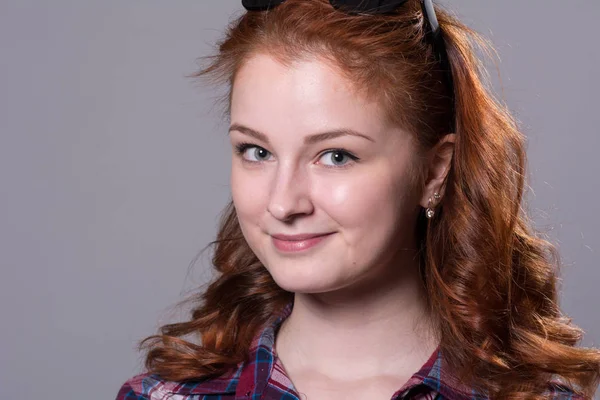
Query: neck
[(383, 328)]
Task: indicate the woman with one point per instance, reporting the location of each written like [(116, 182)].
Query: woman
[(375, 246)]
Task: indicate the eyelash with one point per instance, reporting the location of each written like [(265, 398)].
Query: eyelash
[(242, 147)]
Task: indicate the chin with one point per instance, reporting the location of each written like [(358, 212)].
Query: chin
[(309, 283), (304, 280), (307, 288)]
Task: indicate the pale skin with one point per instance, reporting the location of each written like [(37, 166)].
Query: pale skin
[(359, 327)]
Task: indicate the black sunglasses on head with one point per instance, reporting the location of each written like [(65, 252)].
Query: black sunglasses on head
[(355, 6), (381, 7)]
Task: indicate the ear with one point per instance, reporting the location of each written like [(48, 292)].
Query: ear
[(438, 166)]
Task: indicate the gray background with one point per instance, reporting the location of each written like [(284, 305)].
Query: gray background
[(114, 168)]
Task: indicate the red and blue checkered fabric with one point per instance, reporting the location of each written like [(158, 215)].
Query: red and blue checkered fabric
[(263, 377)]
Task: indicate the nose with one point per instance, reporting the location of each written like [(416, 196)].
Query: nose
[(290, 193)]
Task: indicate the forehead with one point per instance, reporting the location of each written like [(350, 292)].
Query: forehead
[(308, 94)]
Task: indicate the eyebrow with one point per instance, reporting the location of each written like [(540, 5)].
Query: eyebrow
[(312, 139)]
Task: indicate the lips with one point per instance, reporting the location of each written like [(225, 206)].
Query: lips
[(296, 243), (303, 236)]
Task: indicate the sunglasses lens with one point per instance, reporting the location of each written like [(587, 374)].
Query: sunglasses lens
[(367, 6), (260, 5), (349, 6)]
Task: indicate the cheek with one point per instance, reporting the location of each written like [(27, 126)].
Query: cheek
[(356, 201), (370, 210), (249, 194)]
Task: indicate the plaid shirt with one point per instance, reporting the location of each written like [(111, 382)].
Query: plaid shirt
[(264, 378)]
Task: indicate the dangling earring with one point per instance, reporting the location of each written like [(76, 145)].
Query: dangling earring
[(430, 211)]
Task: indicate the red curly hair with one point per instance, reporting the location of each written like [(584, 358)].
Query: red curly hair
[(491, 280)]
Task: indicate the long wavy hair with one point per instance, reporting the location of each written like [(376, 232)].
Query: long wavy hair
[(491, 279)]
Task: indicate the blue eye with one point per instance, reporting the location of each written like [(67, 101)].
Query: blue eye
[(331, 158), (252, 152), (337, 158)]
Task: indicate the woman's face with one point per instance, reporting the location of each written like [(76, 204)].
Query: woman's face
[(311, 156)]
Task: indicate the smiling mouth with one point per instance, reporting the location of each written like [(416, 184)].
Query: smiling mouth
[(298, 243)]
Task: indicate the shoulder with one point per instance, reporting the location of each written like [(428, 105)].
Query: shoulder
[(142, 387), (149, 386), (555, 390), (560, 391)]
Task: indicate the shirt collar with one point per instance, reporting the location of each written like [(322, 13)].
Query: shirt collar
[(250, 379)]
